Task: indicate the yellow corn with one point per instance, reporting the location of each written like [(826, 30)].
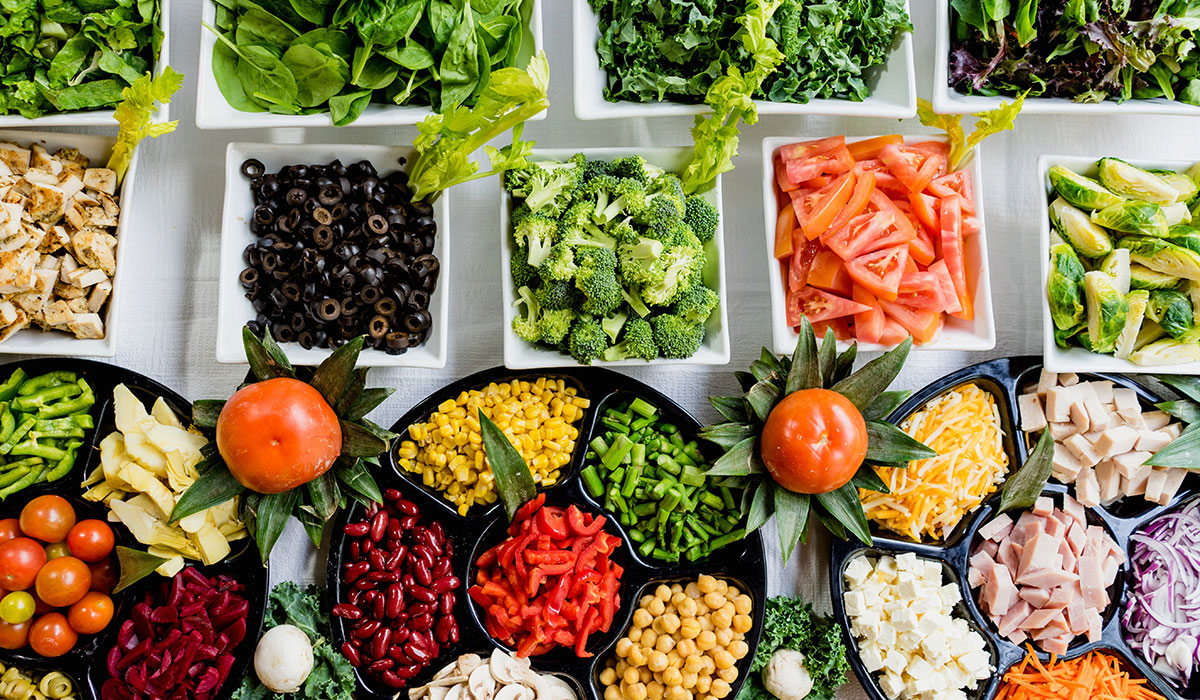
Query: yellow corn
[(447, 448)]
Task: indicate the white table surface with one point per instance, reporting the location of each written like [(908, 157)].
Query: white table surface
[(167, 328)]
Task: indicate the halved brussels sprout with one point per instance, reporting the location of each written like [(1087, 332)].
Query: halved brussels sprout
[(1081, 191), (1166, 352), (1107, 310), (1150, 332), (1162, 256), (1142, 277), (1063, 287), (1078, 230), (1177, 213), (1127, 340), (1194, 173), (1194, 297), (1172, 311), (1062, 338), (1132, 216), (1183, 184), (1116, 266), (1133, 182), (1185, 236)]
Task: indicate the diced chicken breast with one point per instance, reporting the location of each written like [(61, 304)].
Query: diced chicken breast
[(1046, 381), (1058, 403), (1082, 450), (1033, 418), (1068, 378), (1087, 489), (1152, 440), (1116, 440), (1062, 431), (1156, 419)]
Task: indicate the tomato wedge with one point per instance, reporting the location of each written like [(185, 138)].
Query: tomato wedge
[(923, 325), (870, 148), (914, 167), (863, 234), (868, 325), (827, 272), (783, 232), (952, 253), (970, 226), (800, 264), (864, 188), (920, 247), (781, 178), (925, 208), (921, 290), (818, 305), (884, 179), (839, 326), (879, 272), (893, 332), (947, 284), (959, 183), (816, 210), (810, 159)]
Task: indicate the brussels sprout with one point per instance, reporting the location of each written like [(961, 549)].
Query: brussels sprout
[(1116, 266), (1087, 238), (1127, 340), (1107, 310), (1064, 287), (1184, 236), (1194, 297), (1133, 217), (1081, 191), (1133, 182), (1184, 185), (1142, 277), (1166, 352), (1172, 311), (1177, 213), (1162, 256), (1150, 332), (1062, 338)]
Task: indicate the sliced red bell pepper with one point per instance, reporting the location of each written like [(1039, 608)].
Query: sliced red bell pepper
[(576, 520)]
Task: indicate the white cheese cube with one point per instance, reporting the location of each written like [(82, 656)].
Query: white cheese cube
[(855, 602), (857, 571)]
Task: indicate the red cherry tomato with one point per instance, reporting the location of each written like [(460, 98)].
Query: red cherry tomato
[(51, 635), (14, 636), (91, 613), (20, 561), (48, 518), (105, 575), (10, 529), (91, 540), (814, 441), (63, 581)]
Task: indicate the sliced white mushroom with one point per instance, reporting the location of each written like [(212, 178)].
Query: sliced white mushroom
[(481, 684), (439, 692), (559, 688), (446, 670), (507, 669), (467, 663), (457, 692), (515, 691)]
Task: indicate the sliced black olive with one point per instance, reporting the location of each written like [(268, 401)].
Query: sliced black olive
[(253, 168), (249, 277), (424, 265), (418, 299), (397, 340), (305, 338), (322, 215), (377, 224), (255, 327), (386, 307), (292, 290), (322, 236), (328, 309), (284, 334), (418, 321), (378, 327), (295, 196), (369, 295)]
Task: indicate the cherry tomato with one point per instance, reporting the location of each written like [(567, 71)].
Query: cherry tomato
[(814, 441), (91, 540), (278, 434), (17, 607), (56, 550), (14, 636), (48, 518), (10, 528), (20, 560), (105, 575), (91, 614), (63, 581), (51, 635)]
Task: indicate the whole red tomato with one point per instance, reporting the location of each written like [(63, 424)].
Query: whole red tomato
[(10, 528), (104, 575), (814, 441), (278, 434), (90, 540), (48, 518), (51, 635), (20, 561), (63, 581), (91, 613), (14, 636)]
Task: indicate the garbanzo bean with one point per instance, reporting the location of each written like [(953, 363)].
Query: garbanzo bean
[(663, 592), (657, 661), (608, 676), (636, 691), (623, 647), (656, 606), (671, 676), (642, 618), (742, 623), (654, 690), (724, 637)]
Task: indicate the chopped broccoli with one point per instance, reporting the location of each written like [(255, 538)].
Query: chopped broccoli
[(636, 260), (638, 341), (523, 274), (594, 169), (525, 322), (634, 298), (557, 294), (537, 233), (586, 235), (675, 270), (696, 304), (675, 337), (587, 341), (613, 324), (559, 263), (615, 197), (668, 190), (635, 167), (597, 279), (702, 216), (555, 324), (622, 230), (545, 186)]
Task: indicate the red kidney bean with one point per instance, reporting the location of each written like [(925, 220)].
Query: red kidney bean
[(392, 495), (381, 665), (355, 553), (378, 559), (369, 597), (364, 584), (351, 654), (367, 546), (445, 583), (397, 652), (348, 611), (391, 680), (441, 631), (421, 623), (446, 604), (365, 629), (416, 652), (356, 529), (378, 608), (441, 567), (395, 600), (407, 507), (408, 581), (396, 558), (380, 642), (400, 634), (408, 671), (384, 576), (379, 525), (423, 594), (393, 530), (355, 570), (408, 521), (401, 619), (423, 554), (439, 532), (421, 609), (355, 596), (420, 571)]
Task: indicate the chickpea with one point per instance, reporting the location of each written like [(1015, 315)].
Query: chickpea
[(689, 628), (676, 587), (608, 676), (722, 586), (731, 591), (743, 604), (729, 607), (665, 643), (719, 689), (657, 661), (654, 690), (678, 693), (631, 675), (723, 659), (612, 692), (739, 649), (693, 664), (678, 598), (672, 676), (649, 637), (621, 666), (637, 691), (710, 667), (645, 675), (635, 634), (722, 619), (637, 655), (714, 600), (693, 590), (686, 607), (671, 622), (657, 626), (706, 640), (728, 675), (689, 679), (623, 646), (706, 583), (703, 683), (656, 607), (706, 622), (724, 637), (674, 659), (644, 601), (642, 618), (663, 592), (742, 623), (685, 647)]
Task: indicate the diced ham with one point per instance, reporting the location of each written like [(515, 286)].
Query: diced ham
[(1091, 581), (1048, 578), (1062, 596), (1174, 430), (1077, 537), (1012, 620), (997, 528), (1010, 555), (1057, 645), (1073, 509), (992, 547), (999, 592), (1041, 553), (1033, 418), (1043, 506), (1037, 597), (1095, 626), (1039, 619), (982, 562)]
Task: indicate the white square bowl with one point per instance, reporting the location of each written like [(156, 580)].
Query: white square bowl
[(234, 310), (1077, 359), (213, 112), (949, 101), (103, 117), (956, 334), (894, 94), (521, 354), (33, 341)]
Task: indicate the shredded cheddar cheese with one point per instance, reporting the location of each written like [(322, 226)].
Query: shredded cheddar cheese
[(932, 495)]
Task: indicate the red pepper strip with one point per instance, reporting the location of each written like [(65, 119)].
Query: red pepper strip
[(487, 559), (550, 522), (570, 610), (536, 577), (527, 647), (583, 581), (608, 604), (525, 511), (555, 569), (576, 520), (550, 556), (586, 628)]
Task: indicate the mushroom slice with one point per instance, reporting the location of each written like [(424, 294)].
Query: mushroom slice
[(467, 663), (559, 688), (456, 692), (447, 670), (516, 691), (507, 669), (481, 684), (439, 692)]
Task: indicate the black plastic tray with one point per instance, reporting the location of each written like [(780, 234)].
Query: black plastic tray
[(1006, 379), (482, 527), (86, 664)]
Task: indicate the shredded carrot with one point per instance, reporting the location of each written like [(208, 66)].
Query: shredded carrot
[(1093, 676)]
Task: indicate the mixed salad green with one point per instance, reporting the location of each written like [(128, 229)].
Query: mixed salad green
[(62, 56)]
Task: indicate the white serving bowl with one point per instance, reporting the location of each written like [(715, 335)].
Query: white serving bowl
[(521, 354), (956, 334), (234, 310), (1077, 359), (103, 117), (34, 341), (213, 112), (894, 93), (949, 101)]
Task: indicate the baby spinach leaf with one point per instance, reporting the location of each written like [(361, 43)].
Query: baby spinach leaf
[(257, 26), (332, 41), (318, 76), (460, 64), (229, 82), (378, 72), (344, 109), (265, 77)]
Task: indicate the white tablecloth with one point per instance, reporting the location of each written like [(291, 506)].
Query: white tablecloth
[(168, 324)]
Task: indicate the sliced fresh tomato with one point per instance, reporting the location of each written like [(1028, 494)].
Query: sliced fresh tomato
[(884, 179), (910, 265), (868, 325), (922, 325), (947, 284), (903, 223), (957, 182), (970, 226), (879, 272), (807, 149), (818, 305), (952, 252), (827, 272), (839, 326), (800, 264), (781, 178), (864, 188), (870, 148), (815, 210), (920, 248), (936, 148), (817, 182), (863, 234), (914, 167), (925, 208), (921, 290), (810, 159), (784, 225), (893, 332)]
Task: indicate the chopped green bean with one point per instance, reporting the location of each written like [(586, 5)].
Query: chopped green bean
[(10, 386)]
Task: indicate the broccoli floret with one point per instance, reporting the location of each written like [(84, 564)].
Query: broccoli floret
[(577, 231), (536, 233), (557, 294), (675, 270), (634, 298), (636, 260), (613, 324), (555, 324), (696, 304), (523, 274), (702, 216), (548, 186), (525, 321), (635, 167), (682, 235), (593, 169), (615, 197), (664, 197), (597, 279), (638, 341), (675, 337), (622, 230), (587, 341), (559, 263)]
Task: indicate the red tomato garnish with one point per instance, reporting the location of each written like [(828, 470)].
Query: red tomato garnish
[(814, 441)]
